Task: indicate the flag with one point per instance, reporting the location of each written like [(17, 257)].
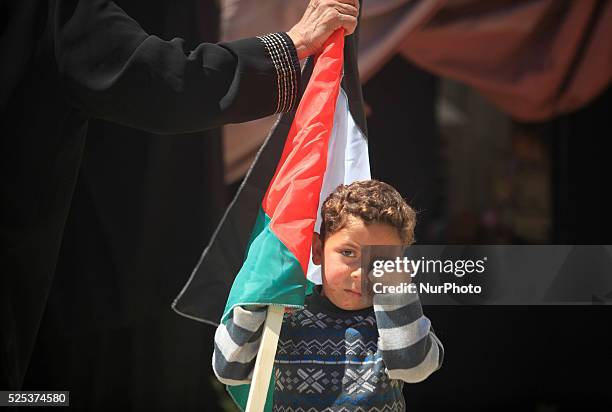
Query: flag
[(324, 145)]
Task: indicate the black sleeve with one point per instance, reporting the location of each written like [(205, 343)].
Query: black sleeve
[(113, 70)]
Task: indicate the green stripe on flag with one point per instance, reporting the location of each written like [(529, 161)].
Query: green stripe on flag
[(240, 395), (270, 275)]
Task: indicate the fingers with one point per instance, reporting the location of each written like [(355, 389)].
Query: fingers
[(349, 23), (346, 13), (320, 20), (336, 20), (354, 3), (348, 9)]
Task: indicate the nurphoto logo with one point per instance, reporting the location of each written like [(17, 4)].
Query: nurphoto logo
[(389, 271)]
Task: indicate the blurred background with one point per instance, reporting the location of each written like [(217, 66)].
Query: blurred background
[(490, 117)]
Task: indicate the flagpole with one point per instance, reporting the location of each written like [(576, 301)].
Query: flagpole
[(265, 359)]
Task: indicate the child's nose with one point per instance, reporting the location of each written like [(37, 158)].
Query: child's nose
[(356, 279)]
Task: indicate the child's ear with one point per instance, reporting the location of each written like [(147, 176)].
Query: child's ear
[(317, 248)]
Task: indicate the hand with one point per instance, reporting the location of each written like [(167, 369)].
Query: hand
[(320, 20), (385, 265)]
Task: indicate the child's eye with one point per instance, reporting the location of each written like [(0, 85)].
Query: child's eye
[(348, 253)]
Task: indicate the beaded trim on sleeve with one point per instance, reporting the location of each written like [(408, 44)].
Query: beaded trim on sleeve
[(287, 65)]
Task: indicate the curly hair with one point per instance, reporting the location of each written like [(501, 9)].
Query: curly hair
[(372, 201)]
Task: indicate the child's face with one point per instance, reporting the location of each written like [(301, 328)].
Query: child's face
[(340, 260)]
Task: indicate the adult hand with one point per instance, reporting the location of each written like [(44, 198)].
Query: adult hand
[(320, 20)]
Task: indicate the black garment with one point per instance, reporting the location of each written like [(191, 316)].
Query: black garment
[(93, 61)]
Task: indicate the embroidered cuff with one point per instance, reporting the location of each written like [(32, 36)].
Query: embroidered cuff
[(287, 65)]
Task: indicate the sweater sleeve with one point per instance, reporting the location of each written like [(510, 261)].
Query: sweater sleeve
[(407, 343), (112, 69), (237, 343)]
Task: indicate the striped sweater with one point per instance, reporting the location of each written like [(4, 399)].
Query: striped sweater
[(329, 359)]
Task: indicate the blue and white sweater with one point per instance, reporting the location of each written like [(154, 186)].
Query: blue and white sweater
[(329, 359)]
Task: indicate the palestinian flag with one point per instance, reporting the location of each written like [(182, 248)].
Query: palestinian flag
[(324, 146), (312, 164)]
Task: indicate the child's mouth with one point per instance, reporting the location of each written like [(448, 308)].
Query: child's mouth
[(357, 294)]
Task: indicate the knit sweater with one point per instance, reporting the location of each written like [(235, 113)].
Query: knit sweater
[(329, 359)]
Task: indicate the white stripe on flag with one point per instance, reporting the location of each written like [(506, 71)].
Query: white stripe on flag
[(347, 162)]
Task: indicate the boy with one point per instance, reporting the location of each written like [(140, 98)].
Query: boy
[(344, 350)]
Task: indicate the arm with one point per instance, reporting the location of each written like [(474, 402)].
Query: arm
[(407, 343), (236, 344), (112, 69)]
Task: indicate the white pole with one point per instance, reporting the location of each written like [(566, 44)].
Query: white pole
[(265, 359)]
